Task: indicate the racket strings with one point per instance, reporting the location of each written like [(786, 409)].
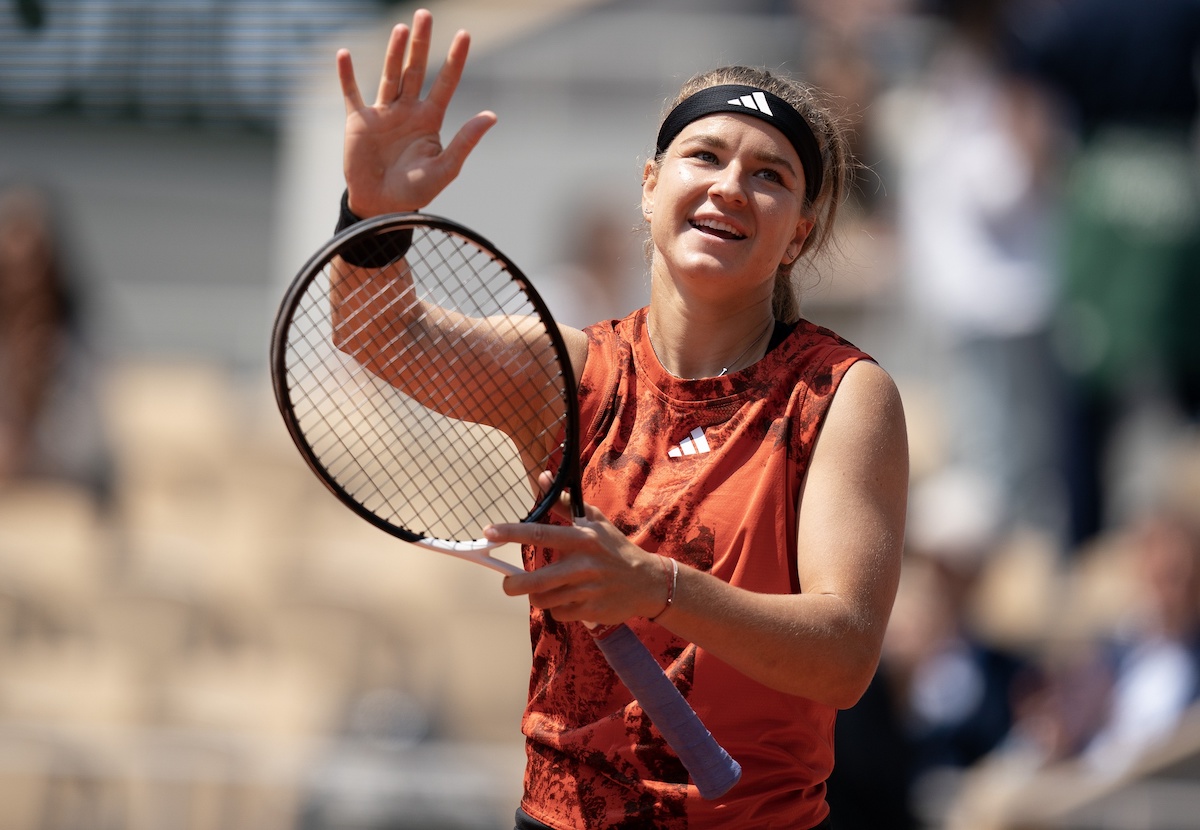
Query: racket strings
[(440, 347), (475, 476), (380, 402), (507, 304)]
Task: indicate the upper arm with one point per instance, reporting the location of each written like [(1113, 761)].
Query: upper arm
[(850, 526), (577, 349)]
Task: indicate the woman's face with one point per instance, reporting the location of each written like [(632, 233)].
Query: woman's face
[(726, 204)]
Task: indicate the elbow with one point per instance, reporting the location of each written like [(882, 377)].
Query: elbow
[(851, 691), (352, 341), (348, 346), (845, 674), (850, 683), (342, 333)]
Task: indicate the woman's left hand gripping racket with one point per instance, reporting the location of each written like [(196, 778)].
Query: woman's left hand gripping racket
[(426, 384)]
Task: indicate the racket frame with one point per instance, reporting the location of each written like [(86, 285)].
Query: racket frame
[(568, 473)]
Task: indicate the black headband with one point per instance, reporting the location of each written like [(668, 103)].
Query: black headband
[(749, 100)]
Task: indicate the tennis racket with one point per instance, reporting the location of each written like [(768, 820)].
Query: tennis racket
[(427, 386)]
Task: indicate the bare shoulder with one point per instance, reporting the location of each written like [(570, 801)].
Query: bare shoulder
[(577, 348), (868, 397), (865, 425)]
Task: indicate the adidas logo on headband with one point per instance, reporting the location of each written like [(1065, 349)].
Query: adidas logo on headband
[(755, 101)]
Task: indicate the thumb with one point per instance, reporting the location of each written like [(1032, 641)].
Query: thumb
[(562, 505), (466, 139)]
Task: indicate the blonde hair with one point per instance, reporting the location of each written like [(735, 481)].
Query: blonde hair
[(836, 160)]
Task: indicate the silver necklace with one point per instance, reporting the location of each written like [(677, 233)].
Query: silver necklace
[(746, 351)]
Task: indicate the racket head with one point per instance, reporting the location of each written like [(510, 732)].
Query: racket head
[(382, 450)]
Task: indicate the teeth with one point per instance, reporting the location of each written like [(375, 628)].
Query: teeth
[(716, 226)]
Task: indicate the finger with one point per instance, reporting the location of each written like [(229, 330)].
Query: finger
[(533, 533), (451, 72), (549, 584), (562, 507), (350, 93), (393, 66), (418, 56), (465, 140)]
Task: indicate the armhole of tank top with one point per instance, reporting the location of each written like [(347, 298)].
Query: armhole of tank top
[(605, 407)]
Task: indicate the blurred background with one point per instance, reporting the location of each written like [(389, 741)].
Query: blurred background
[(194, 634)]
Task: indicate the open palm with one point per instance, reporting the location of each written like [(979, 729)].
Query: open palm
[(394, 159)]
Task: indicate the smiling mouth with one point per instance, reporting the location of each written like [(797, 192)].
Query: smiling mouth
[(717, 229)]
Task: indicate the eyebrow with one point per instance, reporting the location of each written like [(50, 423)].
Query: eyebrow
[(716, 142)]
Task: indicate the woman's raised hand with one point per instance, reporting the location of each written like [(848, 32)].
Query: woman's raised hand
[(393, 156)]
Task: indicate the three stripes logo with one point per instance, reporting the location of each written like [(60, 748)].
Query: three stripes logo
[(753, 101), (694, 444)]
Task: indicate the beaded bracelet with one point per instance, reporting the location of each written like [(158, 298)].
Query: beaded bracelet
[(672, 583), (378, 251)]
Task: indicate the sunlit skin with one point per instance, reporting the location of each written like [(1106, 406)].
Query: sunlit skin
[(724, 209)]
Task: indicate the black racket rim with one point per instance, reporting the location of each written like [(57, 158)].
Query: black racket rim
[(567, 474)]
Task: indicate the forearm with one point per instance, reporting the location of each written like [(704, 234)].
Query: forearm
[(818, 646)]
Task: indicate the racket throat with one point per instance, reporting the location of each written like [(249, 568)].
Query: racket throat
[(478, 551)]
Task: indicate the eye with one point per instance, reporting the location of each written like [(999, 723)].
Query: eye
[(771, 175), (705, 156)]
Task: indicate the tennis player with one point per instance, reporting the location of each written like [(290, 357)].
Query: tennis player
[(745, 470)]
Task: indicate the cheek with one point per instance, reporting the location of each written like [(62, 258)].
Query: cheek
[(674, 198), (682, 183), (660, 230), (773, 225), (782, 219)]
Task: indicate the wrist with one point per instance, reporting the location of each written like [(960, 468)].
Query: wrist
[(346, 216), (670, 569), (378, 251)]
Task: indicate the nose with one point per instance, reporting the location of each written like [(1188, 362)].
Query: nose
[(729, 184)]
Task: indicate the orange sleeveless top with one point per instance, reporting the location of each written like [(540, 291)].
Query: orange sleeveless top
[(708, 472)]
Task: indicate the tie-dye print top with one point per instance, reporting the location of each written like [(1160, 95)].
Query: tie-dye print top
[(708, 472)]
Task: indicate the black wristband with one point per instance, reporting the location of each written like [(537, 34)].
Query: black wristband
[(378, 251)]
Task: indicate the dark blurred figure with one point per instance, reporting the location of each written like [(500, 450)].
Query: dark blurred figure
[(1123, 75), (942, 698), (841, 48), (49, 416), (870, 784), (855, 50)]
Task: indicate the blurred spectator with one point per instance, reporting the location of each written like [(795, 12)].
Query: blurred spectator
[(1155, 658), (599, 267), (49, 417), (975, 223), (856, 50), (840, 44), (870, 785), (1107, 700), (1123, 75), (957, 684), (1099, 704)]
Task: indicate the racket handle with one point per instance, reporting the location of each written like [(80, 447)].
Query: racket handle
[(713, 771)]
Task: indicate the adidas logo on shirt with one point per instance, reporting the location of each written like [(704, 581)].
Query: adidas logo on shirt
[(754, 101), (694, 444)]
